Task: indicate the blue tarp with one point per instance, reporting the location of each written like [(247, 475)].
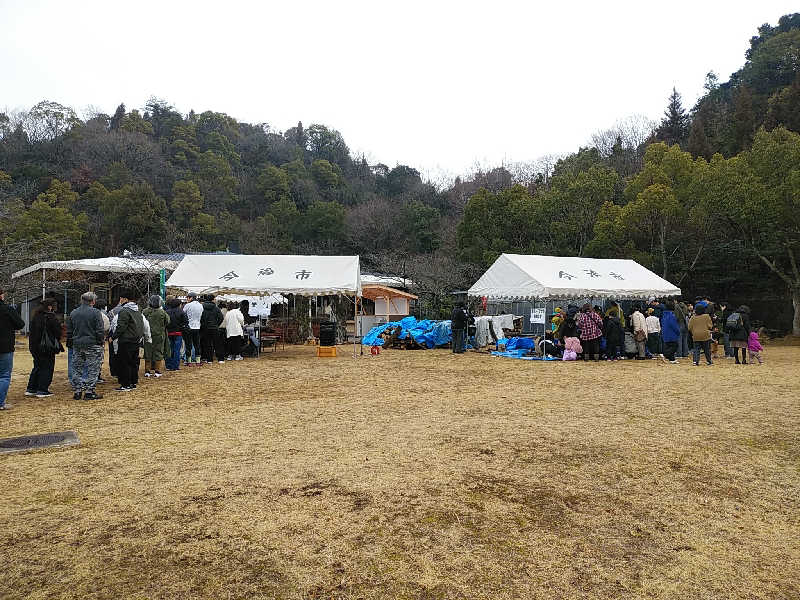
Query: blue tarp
[(520, 343), (426, 333), (520, 354)]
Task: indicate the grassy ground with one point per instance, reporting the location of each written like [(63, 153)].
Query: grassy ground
[(411, 475)]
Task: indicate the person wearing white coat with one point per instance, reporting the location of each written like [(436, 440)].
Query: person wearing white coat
[(233, 323)]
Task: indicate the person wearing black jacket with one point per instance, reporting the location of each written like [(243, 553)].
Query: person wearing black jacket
[(458, 323), (739, 334), (615, 337), (43, 321), (209, 332), (176, 328), (129, 335), (10, 321)]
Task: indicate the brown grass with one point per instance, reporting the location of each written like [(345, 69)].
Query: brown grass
[(415, 474)]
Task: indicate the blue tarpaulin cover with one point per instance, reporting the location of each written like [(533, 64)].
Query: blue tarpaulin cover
[(427, 333)]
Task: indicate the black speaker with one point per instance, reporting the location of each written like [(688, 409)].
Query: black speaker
[(327, 333)]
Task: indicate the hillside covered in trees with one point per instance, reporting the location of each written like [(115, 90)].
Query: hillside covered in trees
[(708, 197)]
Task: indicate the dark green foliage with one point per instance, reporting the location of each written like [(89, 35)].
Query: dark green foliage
[(674, 127)]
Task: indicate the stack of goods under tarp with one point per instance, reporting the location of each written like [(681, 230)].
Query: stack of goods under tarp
[(410, 334)]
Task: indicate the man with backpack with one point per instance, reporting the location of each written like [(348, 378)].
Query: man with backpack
[(128, 334)]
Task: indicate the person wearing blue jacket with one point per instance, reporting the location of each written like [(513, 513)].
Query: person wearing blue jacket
[(670, 332)]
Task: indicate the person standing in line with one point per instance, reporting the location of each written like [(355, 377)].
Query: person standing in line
[(10, 322), (44, 321), (221, 342), (458, 325), (615, 337), (209, 331), (129, 334), (102, 305), (112, 352), (158, 348), (85, 329), (234, 329), (591, 326), (720, 317), (616, 310), (738, 324), (700, 326), (639, 330), (683, 341), (670, 332), (194, 312), (178, 325), (653, 326)]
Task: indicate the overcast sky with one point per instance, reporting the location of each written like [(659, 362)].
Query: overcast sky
[(435, 85)]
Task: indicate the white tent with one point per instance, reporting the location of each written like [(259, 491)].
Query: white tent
[(110, 264), (249, 274), (528, 277)]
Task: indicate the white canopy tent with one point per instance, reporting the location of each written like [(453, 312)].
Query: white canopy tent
[(530, 277), (110, 264), (249, 274), (265, 274)]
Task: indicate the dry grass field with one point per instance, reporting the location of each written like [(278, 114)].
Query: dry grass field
[(411, 475)]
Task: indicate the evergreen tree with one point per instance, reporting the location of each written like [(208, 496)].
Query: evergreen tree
[(674, 127), (116, 120), (698, 141)]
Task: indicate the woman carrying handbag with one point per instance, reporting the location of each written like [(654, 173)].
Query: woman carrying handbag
[(44, 342)]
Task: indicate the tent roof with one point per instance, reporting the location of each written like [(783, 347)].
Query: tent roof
[(524, 277), (267, 274), (110, 264), (372, 291)]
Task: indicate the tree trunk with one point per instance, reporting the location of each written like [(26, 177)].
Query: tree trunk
[(796, 303)]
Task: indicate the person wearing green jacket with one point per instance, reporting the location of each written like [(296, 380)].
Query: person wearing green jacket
[(158, 349)]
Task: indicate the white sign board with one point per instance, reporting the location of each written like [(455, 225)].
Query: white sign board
[(538, 316)]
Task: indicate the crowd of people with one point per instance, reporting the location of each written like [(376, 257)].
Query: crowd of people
[(665, 329), (200, 331), (195, 332)]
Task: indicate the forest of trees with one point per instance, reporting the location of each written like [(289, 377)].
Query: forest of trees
[(709, 197)]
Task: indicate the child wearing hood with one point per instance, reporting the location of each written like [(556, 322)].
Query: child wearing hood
[(572, 347), (754, 347)]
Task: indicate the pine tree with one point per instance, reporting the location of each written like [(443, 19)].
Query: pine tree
[(674, 126), (698, 141), (744, 123), (116, 120)]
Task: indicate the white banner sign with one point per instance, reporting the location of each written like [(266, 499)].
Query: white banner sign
[(537, 315)]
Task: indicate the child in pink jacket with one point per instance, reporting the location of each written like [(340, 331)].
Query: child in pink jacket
[(572, 347), (754, 347)]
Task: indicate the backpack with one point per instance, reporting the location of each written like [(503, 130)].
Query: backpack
[(734, 322)]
